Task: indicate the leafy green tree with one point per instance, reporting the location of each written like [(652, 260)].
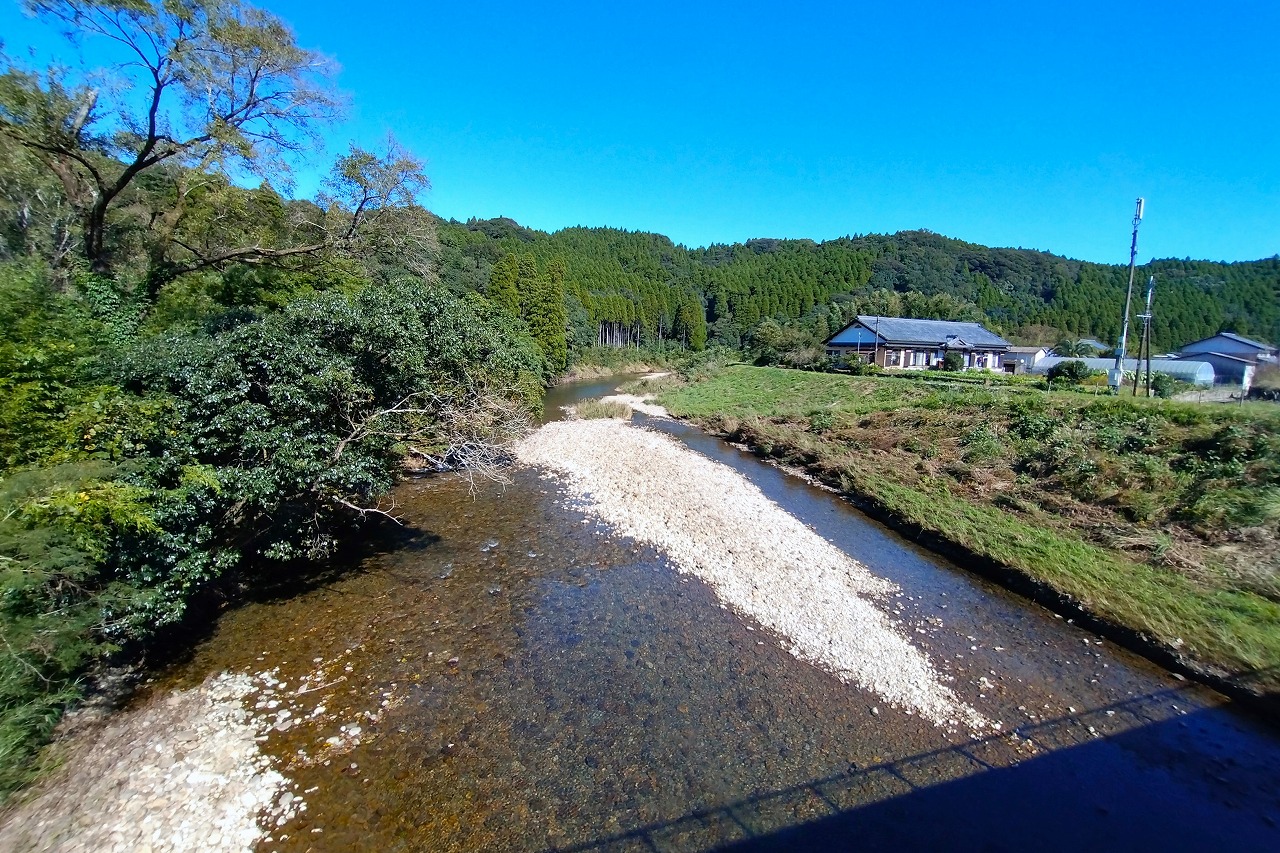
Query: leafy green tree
[(542, 306), (224, 87), (227, 94), (691, 323), (1072, 348), (952, 360)]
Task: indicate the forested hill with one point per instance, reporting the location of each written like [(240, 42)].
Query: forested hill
[(649, 287)]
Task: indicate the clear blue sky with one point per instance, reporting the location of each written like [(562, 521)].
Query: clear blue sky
[(1009, 124)]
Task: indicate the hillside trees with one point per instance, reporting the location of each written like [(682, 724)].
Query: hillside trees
[(635, 287)]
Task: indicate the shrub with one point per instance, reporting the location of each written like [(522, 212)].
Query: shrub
[(1165, 386), (821, 420), (980, 444), (1070, 371), (805, 358), (952, 361)]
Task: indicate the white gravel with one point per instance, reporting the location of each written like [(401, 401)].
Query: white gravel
[(182, 773), (761, 561)]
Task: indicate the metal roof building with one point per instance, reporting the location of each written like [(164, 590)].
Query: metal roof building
[(915, 344), (900, 331)]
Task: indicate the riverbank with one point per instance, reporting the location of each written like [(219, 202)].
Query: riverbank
[(617, 365), (508, 672), (1049, 489)]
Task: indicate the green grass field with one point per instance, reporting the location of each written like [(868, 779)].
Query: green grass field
[(1157, 516)]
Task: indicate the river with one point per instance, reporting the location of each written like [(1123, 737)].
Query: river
[(521, 679)]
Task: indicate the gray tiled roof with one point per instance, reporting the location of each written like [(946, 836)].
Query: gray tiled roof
[(931, 332)]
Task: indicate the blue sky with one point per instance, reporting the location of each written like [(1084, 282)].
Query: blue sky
[(1008, 124)]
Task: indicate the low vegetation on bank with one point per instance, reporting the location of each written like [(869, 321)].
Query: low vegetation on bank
[(589, 410), (1158, 516), (609, 361)]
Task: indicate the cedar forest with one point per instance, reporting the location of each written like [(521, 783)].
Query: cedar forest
[(204, 381)]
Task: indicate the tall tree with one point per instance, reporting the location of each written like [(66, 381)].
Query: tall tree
[(543, 309), (225, 90), (502, 290)]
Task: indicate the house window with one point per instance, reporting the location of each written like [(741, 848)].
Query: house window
[(919, 358), (891, 358)]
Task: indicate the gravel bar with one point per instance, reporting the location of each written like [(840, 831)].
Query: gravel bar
[(182, 773), (760, 560)]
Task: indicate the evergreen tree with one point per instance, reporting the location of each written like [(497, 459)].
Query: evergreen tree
[(502, 290)]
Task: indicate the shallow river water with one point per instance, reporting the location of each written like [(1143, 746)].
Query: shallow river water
[(523, 680)]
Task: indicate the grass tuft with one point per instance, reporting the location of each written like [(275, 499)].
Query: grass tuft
[(595, 409)]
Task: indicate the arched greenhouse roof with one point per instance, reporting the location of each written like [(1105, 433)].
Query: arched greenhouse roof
[(1194, 372)]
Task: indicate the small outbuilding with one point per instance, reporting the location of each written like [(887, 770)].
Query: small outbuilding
[(1022, 359), (917, 344), (1229, 343)]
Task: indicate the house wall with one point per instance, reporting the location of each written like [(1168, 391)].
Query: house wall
[(920, 358), (1026, 359)]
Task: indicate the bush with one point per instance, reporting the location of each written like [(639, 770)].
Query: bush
[(981, 444), (1070, 371), (217, 455), (1164, 386), (952, 361), (855, 366), (821, 420)]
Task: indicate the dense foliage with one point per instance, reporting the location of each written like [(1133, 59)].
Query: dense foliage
[(201, 384)]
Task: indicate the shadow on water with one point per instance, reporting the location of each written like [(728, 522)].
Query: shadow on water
[(269, 582), (1151, 787)]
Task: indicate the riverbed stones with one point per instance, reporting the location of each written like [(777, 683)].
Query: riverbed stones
[(760, 561), (183, 772)]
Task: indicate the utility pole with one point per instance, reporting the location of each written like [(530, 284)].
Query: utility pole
[(875, 354), (1146, 340), (1118, 373)]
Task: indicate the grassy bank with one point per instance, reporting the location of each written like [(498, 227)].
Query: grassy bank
[(1155, 516), (608, 361)]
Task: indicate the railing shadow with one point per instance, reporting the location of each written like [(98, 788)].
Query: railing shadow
[(1059, 785)]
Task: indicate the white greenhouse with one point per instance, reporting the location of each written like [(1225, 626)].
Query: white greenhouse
[(1195, 372)]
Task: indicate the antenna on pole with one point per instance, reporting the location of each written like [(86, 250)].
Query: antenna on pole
[(1118, 374)]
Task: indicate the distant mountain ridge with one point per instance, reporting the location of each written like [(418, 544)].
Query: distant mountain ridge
[(643, 278)]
